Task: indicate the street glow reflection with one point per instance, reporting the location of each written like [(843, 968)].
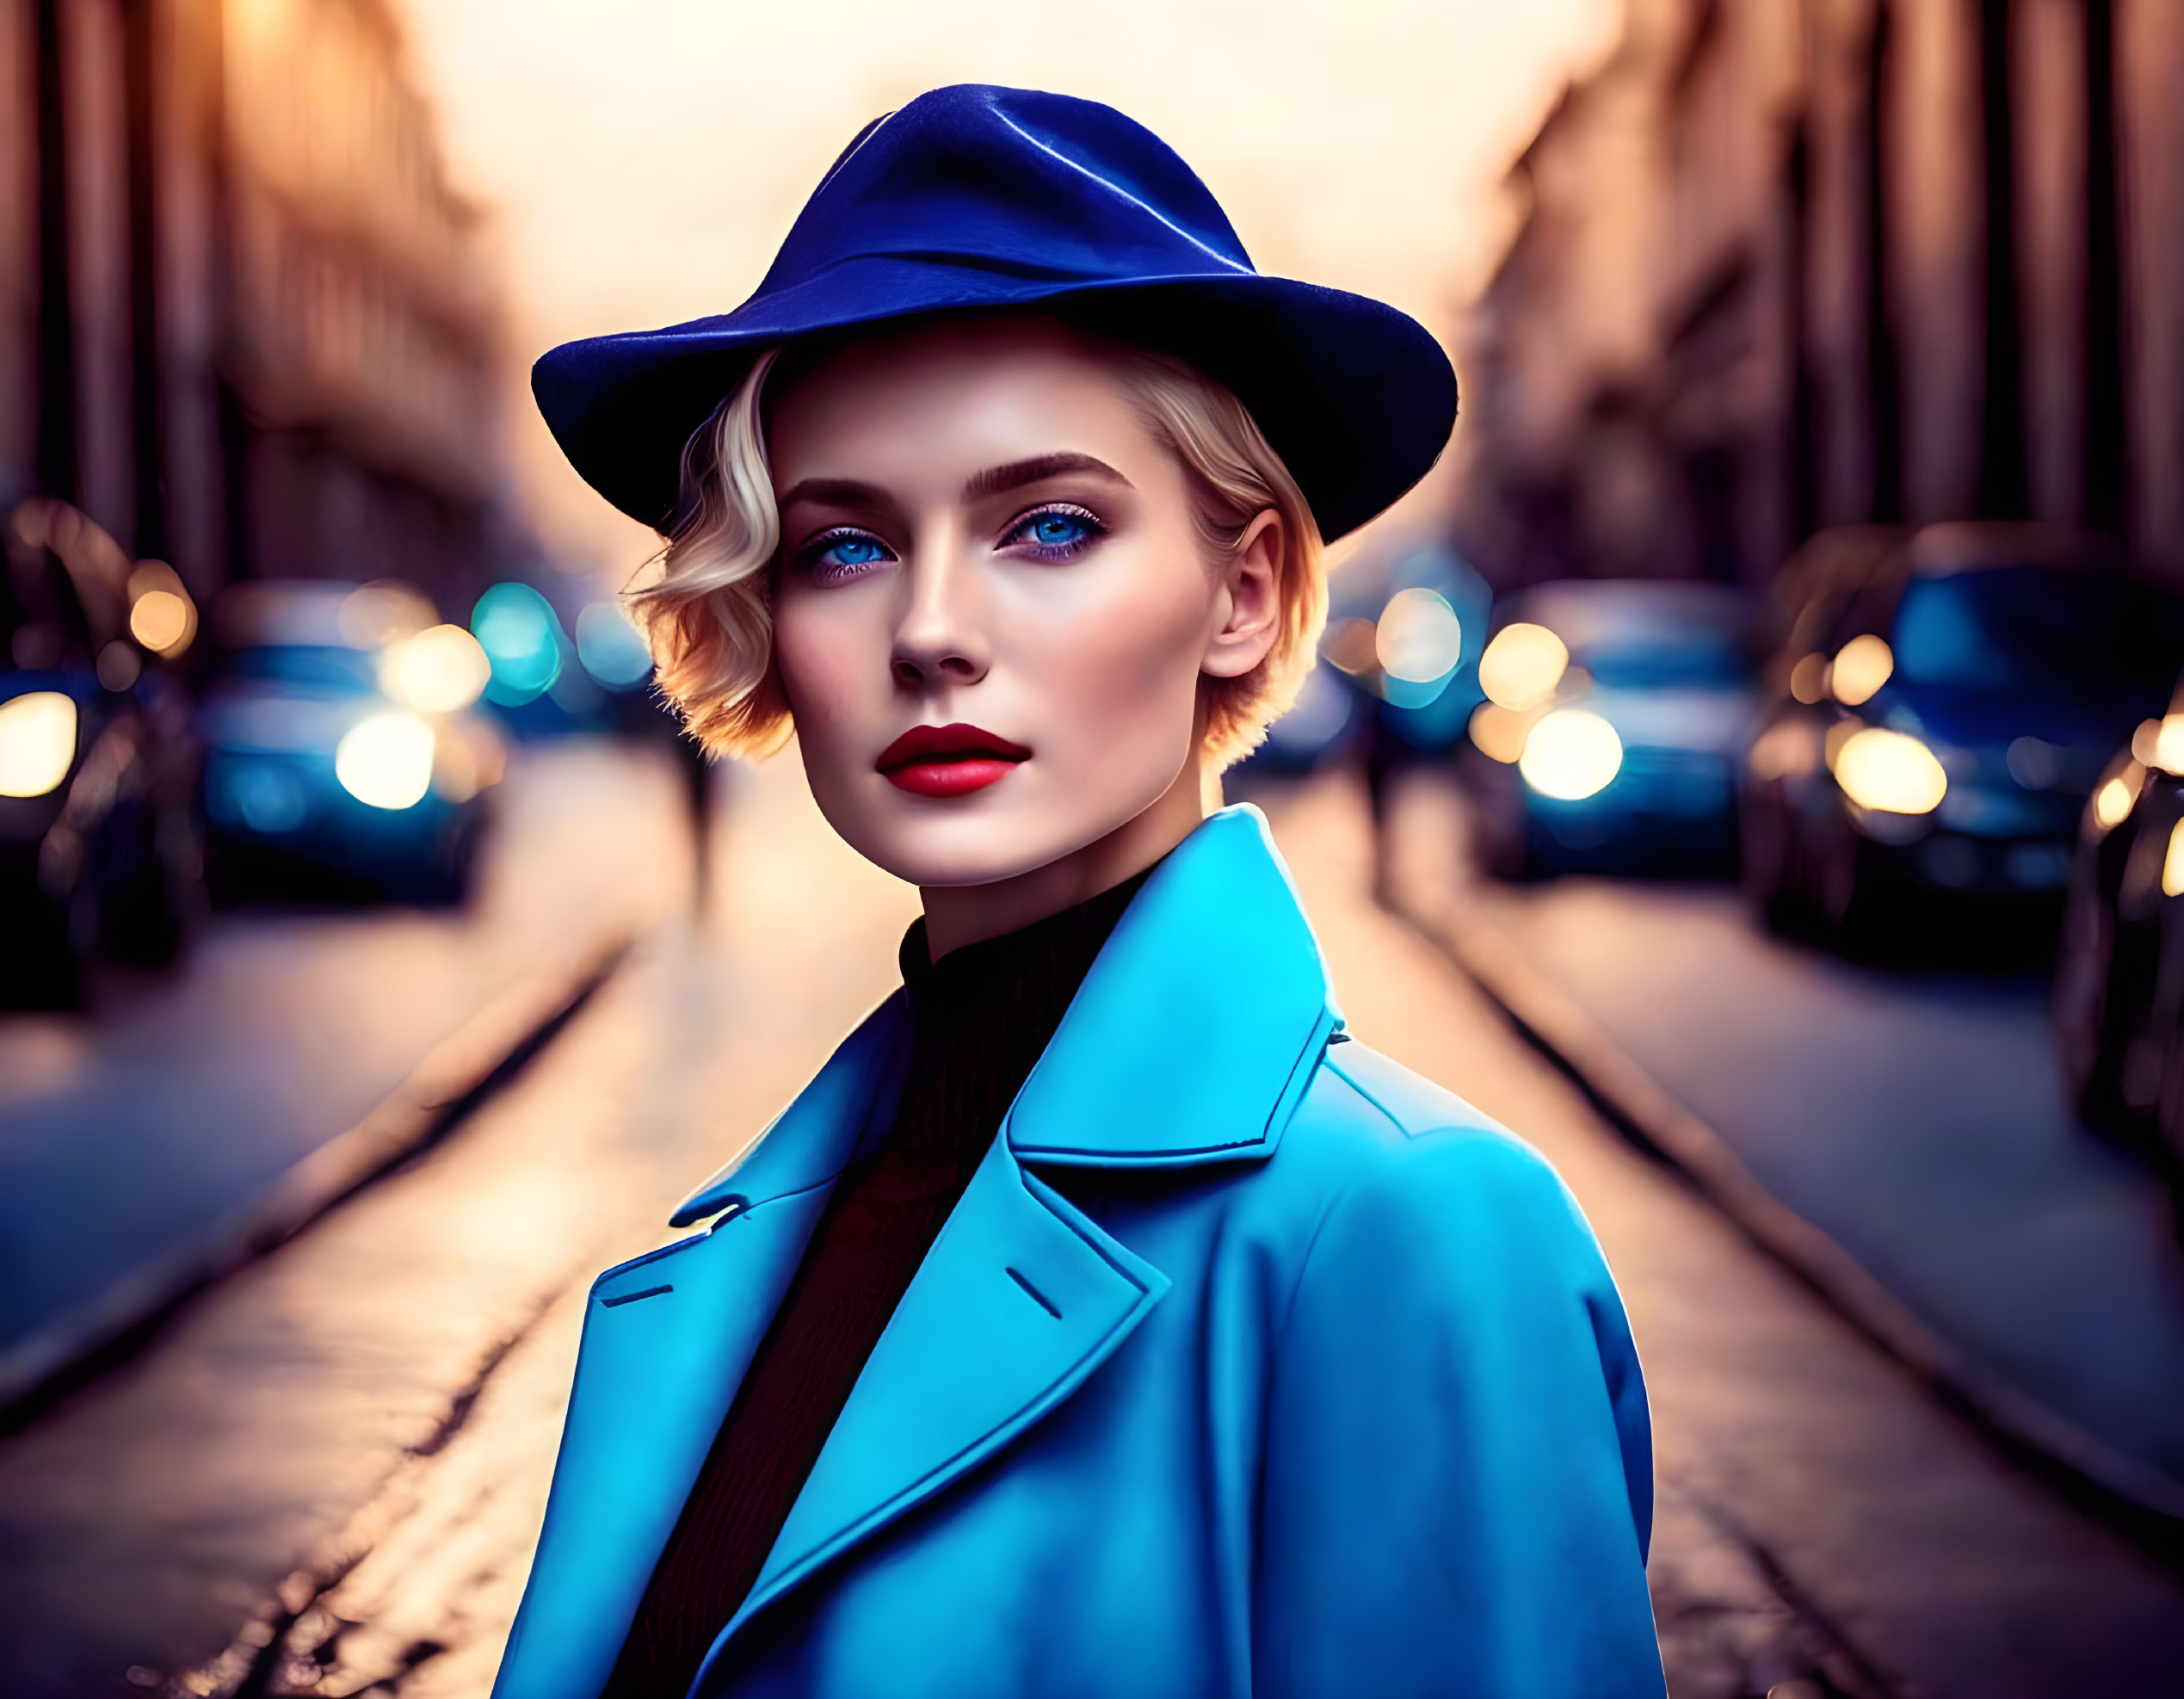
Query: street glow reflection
[(1890, 772), (2112, 803), (1862, 666), (1419, 638), (439, 670), (37, 742), (385, 759), (1571, 754), (2173, 863), (1522, 665)]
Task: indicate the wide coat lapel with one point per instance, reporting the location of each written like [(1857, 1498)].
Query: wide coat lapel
[(1019, 1300), (1189, 1043), (667, 1340)]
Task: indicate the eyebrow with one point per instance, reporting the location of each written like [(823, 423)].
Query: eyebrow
[(850, 492), (1017, 473), (837, 492)]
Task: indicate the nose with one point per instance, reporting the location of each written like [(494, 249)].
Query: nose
[(939, 638)]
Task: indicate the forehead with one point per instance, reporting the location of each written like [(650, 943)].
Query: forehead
[(975, 386)]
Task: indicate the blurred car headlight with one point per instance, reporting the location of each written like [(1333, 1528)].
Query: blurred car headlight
[(1862, 666), (439, 670), (37, 742), (162, 617), (1571, 754), (385, 759), (2113, 801), (2159, 743), (1890, 772), (1522, 666)]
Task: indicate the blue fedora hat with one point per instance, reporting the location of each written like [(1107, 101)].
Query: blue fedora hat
[(976, 198)]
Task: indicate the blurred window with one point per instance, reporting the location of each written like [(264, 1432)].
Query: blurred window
[(308, 667), (2007, 624), (1665, 658)]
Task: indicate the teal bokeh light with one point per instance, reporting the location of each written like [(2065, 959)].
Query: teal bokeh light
[(516, 628), (610, 648)]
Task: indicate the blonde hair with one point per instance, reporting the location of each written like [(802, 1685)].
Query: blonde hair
[(707, 612)]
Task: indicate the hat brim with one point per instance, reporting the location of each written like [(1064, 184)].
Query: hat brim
[(1357, 398)]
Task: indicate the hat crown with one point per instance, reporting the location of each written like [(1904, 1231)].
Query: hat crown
[(1015, 181)]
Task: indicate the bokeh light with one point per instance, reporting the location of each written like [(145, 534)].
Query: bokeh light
[(383, 612), (1809, 679), (439, 670), (2173, 863), (1571, 754), (385, 759), (2168, 744), (1522, 666), (611, 648), (37, 742), (159, 620), (1419, 639), (1499, 733), (1862, 666), (1890, 772), (516, 628), (2113, 802)]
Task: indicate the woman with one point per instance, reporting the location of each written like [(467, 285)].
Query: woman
[(1100, 1319)]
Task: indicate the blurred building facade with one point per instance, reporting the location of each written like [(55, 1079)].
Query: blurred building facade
[(245, 322), (1791, 263)]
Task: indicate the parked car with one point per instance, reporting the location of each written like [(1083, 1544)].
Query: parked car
[(1616, 711), (99, 847), (2130, 855), (344, 760), (1944, 709)]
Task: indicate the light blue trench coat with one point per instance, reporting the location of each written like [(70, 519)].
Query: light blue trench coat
[(1249, 1364)]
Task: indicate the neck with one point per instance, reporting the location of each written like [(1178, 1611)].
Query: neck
[(956, 915)]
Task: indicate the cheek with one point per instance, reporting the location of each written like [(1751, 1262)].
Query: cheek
[(1125, 665), (822, 651)]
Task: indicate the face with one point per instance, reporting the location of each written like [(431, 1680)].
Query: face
[(994, 607)]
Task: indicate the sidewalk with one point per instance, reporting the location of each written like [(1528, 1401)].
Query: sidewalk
[(1902, 1140), (192, 1121)]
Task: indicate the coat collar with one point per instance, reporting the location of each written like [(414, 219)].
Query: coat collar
[(1188, 1043)]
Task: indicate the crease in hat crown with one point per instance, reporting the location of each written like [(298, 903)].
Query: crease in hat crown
[(977, 197)]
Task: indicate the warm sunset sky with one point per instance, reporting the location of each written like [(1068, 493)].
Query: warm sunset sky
[(644, 157)]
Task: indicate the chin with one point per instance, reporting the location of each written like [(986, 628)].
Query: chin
[(981, 839), (933, 853)]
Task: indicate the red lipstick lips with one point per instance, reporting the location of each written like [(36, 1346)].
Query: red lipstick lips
[(948, 760)]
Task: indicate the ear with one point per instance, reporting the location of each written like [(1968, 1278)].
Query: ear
[(1246, 601)]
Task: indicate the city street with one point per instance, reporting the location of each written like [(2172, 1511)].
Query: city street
[(1910, 1128), (326, 1472), (196, 1114)]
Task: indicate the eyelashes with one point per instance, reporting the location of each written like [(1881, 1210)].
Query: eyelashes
[(840, 552), (1053, 531)]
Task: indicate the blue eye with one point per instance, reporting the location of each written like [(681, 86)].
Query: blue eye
[(845, 553), (1055, 533)]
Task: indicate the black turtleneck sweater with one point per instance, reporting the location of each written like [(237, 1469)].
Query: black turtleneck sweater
[(982, 1015)]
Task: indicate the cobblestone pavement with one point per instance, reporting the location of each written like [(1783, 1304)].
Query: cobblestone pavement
[(326, 1478)]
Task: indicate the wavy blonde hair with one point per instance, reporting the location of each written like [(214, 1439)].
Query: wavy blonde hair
[(707, 611)]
